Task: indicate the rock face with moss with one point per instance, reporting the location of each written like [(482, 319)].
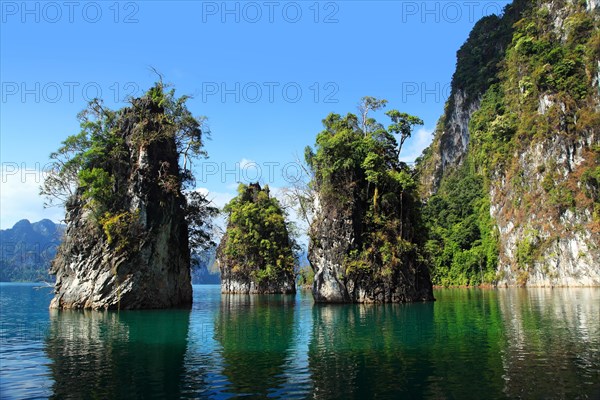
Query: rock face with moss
[(512, 177), (365, 240), (256, 254), (126, 241)]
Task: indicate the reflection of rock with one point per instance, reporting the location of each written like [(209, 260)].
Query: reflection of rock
[(553, 335), (256, 333), (368, 351), (466, 347), (124, 355)]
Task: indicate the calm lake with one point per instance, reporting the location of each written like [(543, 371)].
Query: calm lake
[(486, 344)]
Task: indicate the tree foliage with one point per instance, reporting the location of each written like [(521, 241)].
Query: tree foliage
[(93, 166), (357, 173), (257, 242), (462, 241), (535, 85)]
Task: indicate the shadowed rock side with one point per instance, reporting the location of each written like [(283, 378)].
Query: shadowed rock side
[(256, 253), (334, 238), (134, 254)]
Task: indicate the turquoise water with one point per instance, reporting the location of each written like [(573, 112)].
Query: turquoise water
[(484, 344)]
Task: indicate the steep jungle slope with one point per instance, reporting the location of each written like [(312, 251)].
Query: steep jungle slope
[(512, 176)]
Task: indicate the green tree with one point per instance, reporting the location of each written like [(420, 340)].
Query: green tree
[(94, 165), (257, 243), (357, 171)]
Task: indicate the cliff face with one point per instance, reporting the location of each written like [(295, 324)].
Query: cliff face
[(531, 134), (476, 69), (135, 254), (548, 231), (256, 254), (365, 238), (334, 235)]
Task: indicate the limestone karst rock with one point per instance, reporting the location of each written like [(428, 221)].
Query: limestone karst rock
[(126, 243), (256, 253)]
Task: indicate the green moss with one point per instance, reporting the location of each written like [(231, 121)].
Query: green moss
[(120, 229)]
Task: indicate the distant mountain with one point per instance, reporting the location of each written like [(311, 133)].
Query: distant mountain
[(27, 250), (204, 269)]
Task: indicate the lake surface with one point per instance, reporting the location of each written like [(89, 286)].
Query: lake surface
[(486, 344)]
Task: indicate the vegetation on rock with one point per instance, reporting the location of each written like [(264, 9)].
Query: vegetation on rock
[(93, 167), (257, 249), (359, 178), (539, 94), (129, 222)]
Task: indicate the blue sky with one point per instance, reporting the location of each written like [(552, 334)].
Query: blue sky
[(264, 73)]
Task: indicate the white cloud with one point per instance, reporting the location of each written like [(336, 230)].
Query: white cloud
[(414, 146), (245, 162), (20, 199), (218, 199)]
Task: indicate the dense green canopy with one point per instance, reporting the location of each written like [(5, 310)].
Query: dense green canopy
[(357, 174), (257, 242)]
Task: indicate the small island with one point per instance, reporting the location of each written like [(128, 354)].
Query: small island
[(126, 244), (256, 254), (366, 240)]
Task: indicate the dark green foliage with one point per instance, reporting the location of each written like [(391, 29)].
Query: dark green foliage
[(358, 175), (199, 217), (257, 242), (462, 243), (591, 183), (94, 167), (306, 277), (479, 59)]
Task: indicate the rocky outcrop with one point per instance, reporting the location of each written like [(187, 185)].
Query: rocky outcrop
[(256, 252), (332, 240), (334, 234), (136, 254), (476, 68), (366, 236), (451, 141), (232, 283)]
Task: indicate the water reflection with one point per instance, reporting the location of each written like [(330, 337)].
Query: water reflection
[(553, 342), (133, 354), (256, 335), (534, 343), (466, 346), (368, 351)]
